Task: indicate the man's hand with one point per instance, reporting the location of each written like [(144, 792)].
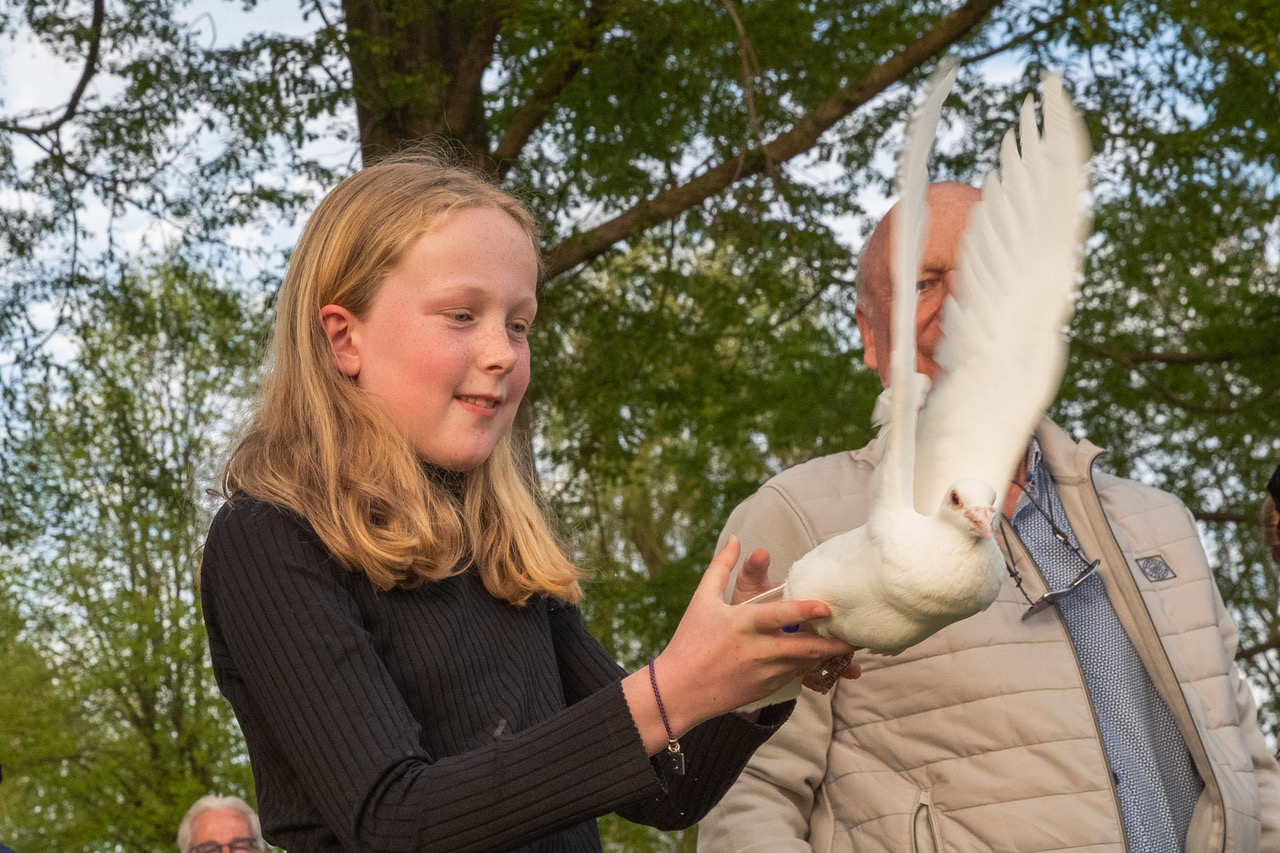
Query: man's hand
[(754, 577)]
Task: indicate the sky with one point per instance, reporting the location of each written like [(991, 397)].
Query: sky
[(35, 85)]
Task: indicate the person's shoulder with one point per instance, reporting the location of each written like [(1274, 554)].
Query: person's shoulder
[(245, 524), (1136, 494), (1080, 461), (820, 497), (832, 476), (248, 534), (1152, 520), (242, 514)]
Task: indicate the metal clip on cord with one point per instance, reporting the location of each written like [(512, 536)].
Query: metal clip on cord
[(1053, 595)]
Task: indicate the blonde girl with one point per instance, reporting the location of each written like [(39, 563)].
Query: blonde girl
[(389, 613)]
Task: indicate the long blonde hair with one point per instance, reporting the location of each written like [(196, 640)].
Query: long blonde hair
[(317, 445)]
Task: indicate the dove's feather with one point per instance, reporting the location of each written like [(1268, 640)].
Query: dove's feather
[(896, 580), (909, 236), (904, 574), (1015, 286), (911, 570)]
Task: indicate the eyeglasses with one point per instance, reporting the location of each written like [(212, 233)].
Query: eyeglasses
[(235, 845)]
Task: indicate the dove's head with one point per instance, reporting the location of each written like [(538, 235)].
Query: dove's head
[(970, 505)]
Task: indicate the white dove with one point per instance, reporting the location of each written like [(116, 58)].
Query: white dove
[(925, 557)]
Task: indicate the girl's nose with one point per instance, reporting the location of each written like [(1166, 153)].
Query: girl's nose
[(497, 353)]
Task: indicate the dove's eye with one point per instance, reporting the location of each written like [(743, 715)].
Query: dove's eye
[(955, 501)]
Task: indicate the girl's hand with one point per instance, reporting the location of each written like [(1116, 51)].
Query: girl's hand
[(724, 656)]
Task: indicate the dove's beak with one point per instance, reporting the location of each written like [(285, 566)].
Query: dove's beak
[(981, 520)]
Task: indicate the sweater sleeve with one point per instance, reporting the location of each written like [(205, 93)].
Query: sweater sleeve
[(305, 671), (715, 751)]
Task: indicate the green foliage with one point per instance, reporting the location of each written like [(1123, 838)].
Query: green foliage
[(704, 170), (40, 732), (704, 377), (115, 725)]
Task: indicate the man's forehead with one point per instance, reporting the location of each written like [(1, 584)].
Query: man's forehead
[(219, 821), (949, 206)]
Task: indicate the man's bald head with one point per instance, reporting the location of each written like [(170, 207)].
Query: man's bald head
[(949, 207)]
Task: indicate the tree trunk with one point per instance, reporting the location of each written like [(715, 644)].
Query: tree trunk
[(416, 71)]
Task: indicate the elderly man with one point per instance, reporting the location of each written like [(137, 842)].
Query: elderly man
[(1113, 720), (216, 824)]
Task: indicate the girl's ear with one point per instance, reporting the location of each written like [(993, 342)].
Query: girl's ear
[(341, 328)]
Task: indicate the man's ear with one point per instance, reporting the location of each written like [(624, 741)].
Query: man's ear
[(341, 327), (868, 337)]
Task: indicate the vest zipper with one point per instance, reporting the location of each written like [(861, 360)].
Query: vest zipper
[(1127, 589)]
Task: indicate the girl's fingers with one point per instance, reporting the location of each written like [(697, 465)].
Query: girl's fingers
[(783, 614), (716, 578)]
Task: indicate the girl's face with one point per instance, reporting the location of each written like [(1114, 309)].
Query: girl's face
[(444, 346)]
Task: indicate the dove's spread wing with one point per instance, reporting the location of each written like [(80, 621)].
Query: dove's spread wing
[(1004, 348), (909, 236)]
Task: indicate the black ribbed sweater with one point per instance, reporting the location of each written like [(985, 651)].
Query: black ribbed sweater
[(437, 718)]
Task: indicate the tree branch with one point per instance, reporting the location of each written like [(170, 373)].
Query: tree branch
[(1134, 358), (801, 308), (90, 68), (750, 67), (670, 203), (1018, 40), (558, 73), (465, 90), (1224, 517), (1270, 644), (318, 7)]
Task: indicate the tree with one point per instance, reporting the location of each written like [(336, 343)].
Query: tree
[(703, 169), (112, 723), (39, 730)]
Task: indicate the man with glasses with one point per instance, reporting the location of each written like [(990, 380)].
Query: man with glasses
[(1094, 706), (217, 824)]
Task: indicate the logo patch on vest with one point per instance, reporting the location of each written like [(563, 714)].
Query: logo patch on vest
[(1155, 568)]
